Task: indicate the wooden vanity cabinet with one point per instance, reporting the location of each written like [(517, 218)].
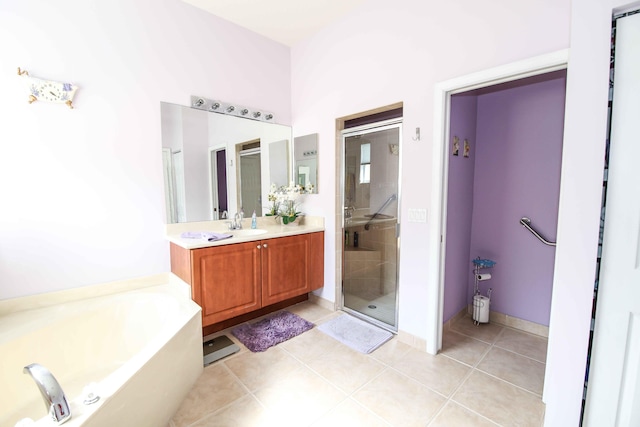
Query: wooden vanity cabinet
[(292, 266), (226, 280), (235, 279)]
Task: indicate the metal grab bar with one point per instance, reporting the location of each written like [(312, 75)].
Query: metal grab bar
[(526, 223), (389, 200)]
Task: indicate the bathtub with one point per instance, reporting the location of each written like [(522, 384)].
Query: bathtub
[(140, 346)]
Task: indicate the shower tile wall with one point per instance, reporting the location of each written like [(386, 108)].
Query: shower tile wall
[(362, 271), (376, 256)]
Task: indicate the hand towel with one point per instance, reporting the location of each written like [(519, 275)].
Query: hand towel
[(207, 235)]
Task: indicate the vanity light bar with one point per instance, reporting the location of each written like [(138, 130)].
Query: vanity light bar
[(216, 106)]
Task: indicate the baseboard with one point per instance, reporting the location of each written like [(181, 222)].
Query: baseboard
[(514, 322), (462, 313), (324, 303), (412, 340)]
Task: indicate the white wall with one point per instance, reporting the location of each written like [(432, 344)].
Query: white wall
[(82, 190), (385, 52), (580, 201), (82, 198)]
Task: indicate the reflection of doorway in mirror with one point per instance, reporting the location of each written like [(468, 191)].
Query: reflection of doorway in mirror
[(304, 175), (218, 174), (169, 186), (174, 194), (249, 178)]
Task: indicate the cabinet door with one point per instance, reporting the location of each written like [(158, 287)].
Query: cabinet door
[(226, 280), (315, 269), (284, 268)]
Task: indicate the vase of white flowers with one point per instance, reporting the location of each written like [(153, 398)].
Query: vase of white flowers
[(283, 203), (272, 208)]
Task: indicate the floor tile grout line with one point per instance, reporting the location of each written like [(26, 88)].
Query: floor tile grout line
[(236, 377), (473, 369), (520, 354), (417, 382), (539, 396), (385, 367), (248, 393), (494, 345), (370, 411), (475, 338), (349, 395), (455, 402), (496, 340)]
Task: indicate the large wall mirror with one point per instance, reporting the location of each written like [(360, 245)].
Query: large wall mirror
[(215, 163)]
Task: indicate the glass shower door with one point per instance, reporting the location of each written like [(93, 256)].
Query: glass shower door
[(370, 222)]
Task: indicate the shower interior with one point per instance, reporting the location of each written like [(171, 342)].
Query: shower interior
[(370, 219)]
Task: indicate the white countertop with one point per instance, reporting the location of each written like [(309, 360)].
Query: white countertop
[(309, 224)]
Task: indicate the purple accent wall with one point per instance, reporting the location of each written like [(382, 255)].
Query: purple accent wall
[(518, 158), (460, 206), (221, 166), (513, 171)]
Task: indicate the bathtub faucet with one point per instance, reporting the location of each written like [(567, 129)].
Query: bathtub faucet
[(54, 398)]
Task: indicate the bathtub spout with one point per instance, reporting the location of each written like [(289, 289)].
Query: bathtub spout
[(54, 398)]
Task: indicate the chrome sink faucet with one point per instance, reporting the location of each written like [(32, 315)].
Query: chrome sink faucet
[(236, 223), (54, 398)]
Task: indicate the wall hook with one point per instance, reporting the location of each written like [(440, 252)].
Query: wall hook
[(417, 137)]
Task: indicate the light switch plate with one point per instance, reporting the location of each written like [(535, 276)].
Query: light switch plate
[(417, 215)]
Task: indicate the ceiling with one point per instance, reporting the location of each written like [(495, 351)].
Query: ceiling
[(285, 21)]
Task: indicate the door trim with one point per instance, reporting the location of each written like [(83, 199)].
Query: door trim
[(442, 101), (214, 197)]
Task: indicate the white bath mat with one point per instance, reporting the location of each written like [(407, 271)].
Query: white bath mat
[(356, 333)]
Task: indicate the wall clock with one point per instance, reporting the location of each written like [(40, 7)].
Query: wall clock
[(48, 90)]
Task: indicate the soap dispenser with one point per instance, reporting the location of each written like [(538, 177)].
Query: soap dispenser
[(254, 220)]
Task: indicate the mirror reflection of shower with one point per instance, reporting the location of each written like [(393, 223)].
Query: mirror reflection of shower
[(370, 217)]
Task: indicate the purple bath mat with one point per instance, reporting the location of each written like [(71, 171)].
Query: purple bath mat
[(273, 330)]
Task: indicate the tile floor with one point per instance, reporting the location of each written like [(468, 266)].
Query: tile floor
[(485, 376)]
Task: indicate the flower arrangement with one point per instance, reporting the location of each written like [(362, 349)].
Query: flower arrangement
[(283, 202)]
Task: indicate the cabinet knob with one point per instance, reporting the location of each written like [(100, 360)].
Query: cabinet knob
[(258, 246), (264, 245)]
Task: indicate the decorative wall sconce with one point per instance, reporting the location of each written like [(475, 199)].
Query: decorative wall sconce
[(230, 109)]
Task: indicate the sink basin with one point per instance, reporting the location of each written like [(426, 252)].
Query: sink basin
[(247, 232)]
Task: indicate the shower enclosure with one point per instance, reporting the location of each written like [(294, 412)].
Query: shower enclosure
[(370, 222)]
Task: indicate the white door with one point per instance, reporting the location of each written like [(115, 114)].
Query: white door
[(613, 391)]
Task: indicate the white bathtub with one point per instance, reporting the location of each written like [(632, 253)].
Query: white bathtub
[(142, 347)]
